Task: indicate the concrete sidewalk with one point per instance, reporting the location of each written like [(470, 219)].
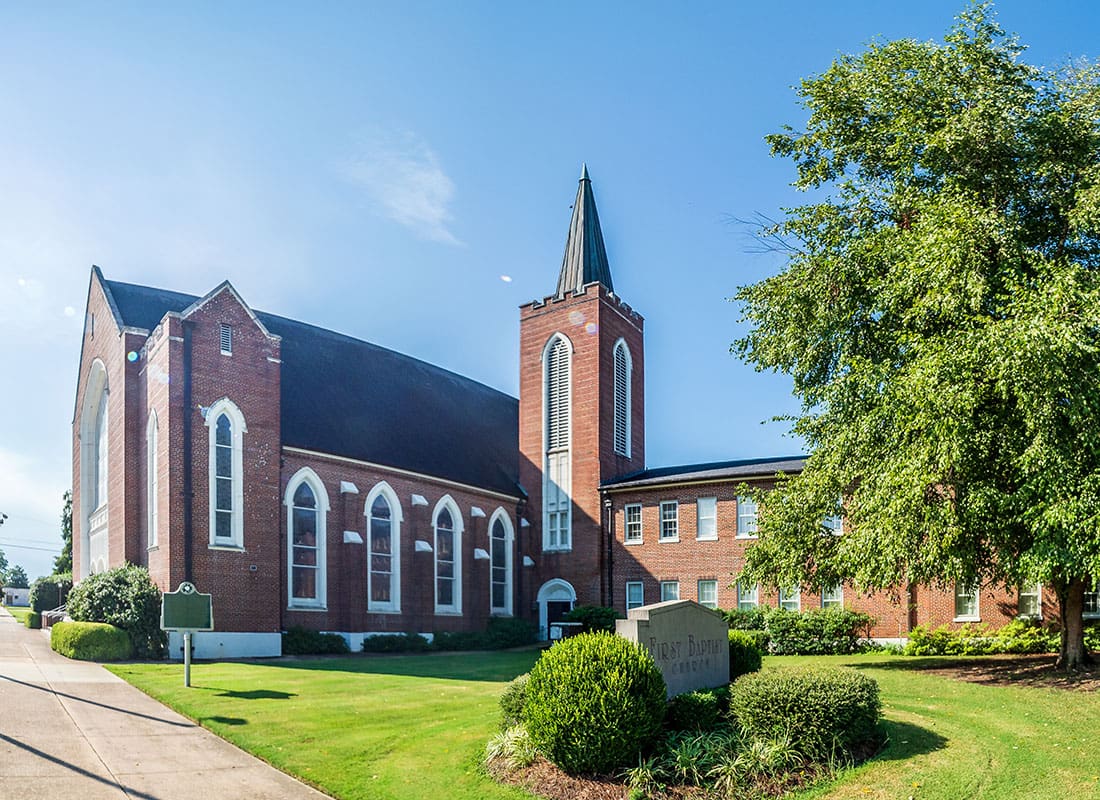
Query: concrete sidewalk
[(72, 729)]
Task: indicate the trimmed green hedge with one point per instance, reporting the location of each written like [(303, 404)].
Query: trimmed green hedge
[(746, 654), (125, 597), (50, 592), (305, 642), (396, 643), (817, 631), (33, 620), (702, 710), (594, 618), (90, 641), (594, 701), (513, 701), (825, 709)]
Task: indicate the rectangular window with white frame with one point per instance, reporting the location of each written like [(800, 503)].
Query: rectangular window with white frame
[(632, 523), (670, 590), (670, 521), (746, 518), (635, 595), (706, 528), (790, 599), (708, 593), (748, 597), (1092, 603), (832, 597), (966, 603), (1030, 603)]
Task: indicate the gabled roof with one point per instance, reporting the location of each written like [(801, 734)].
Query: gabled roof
[(704, 473), (351, 398), (585, 259)]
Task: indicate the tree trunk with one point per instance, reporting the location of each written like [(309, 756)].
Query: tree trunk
[(1072, 656)]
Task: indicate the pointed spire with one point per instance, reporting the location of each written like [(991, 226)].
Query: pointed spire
[(585, 259)]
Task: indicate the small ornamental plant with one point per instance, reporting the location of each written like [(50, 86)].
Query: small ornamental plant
[(594, 701)]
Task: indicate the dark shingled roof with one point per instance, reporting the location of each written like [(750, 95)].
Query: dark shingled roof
[(714, 471), (585, 259), (347, 397)]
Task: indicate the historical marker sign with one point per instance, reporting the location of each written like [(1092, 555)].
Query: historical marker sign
[(690, 643), (186, 609)]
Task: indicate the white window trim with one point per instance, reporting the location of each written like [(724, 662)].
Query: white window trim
[(699, 593), (1093, 614), (976, 617), (629, 391), (565, 542), (509, 539), (1038, 600), (661, 537), (455, 607), (95, 384), (756, 518), (239, 429), (669, 583), (152, 479), (626, 525), (795, 595), (838, 602), (699, 518), (383, 489), (641, 595), (307, 475), (754, 594)]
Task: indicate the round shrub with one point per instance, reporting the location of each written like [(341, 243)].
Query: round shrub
[(594, 618), (593, 702), (33, 620), (822, 708), (696, 711), (127, 598), (745, 654), (90, 641), (512, 702)]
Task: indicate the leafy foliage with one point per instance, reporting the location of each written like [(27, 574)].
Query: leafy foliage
[(64, 562), (90, 641), (50, 592), (396, 643), (818, 631), (594, 618), (33, 620), (593, 702), (701, 710), (501, 633), (937, 314), (298, 641), (511, 749), (16, 578), (1019, 636), (127, 598), (825, 709), (746, 654), (513, 701)]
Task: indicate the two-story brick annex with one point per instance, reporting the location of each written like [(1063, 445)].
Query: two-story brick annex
[(304, 477)]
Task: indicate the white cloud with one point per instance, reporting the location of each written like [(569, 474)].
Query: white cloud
[(402, 177)]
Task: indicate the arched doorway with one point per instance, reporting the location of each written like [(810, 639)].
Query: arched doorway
[(556, 598)]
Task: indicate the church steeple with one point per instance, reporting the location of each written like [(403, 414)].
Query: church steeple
[(585, 259)]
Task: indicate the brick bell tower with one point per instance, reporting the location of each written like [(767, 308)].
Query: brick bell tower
[(581, 416)]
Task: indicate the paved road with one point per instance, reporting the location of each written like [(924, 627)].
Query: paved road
[(70, 729)]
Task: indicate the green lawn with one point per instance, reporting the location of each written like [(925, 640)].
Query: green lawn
[(414, 727), (19, 612)]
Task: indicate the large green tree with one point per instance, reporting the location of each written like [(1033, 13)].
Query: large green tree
[(17, 578), (939, 313), (64, 562)]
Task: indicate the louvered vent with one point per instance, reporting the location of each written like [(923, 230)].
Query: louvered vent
[(557, 397), (227, 339), (622, 401)]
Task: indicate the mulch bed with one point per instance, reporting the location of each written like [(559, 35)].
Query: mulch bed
[(1032, 671)]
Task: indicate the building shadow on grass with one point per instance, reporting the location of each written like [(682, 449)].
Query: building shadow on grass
[(906, 740), (492, 666)]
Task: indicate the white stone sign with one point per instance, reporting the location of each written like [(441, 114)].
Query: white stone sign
[(690, 643)]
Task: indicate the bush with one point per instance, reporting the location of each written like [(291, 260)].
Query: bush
[(512, 702), (594, 618), (50, 592), (299, 641), (90, 641), (593, 702), (697, 711), (33, 620), (823, 708), (502, 632), (127, 598), (396, 643), (748, 619), (819, 631), (746, 654)]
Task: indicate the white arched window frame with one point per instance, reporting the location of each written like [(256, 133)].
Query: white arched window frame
[(383, 563), (152, 479), (93, 510), (624, 372), (557, 505), (447, 547), (501, 536), (231, 533), (306, 539)]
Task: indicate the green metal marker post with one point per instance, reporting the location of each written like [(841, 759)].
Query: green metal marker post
[(186, 611)]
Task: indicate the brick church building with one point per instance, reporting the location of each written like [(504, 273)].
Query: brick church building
[(304, 477)]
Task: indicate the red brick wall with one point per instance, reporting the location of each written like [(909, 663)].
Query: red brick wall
[(593, 321)]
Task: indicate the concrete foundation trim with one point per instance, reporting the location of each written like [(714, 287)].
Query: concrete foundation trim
[(224, 644)]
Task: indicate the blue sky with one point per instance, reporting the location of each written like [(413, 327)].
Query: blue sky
[(376, 169)]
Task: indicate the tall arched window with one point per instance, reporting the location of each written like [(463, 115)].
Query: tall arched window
[(623, 369), (227, 429), (500, 554), (384, 549), (307, 506), (557, 480), (152, 479), (91, 547), (448, 558), (101, 443)]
